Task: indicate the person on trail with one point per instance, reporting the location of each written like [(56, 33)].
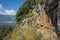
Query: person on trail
[(40, 6)]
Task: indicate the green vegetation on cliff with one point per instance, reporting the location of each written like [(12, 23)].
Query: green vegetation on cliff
[(24, 10)]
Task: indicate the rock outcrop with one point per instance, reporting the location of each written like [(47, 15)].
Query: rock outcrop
[(46, 27)]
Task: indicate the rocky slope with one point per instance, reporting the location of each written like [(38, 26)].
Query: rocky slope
[(29, 29)]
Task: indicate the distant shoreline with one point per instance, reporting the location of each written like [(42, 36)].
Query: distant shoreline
[(8, 23)]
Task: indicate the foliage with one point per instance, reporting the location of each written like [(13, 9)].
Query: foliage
[(29, 33), (4, 30), (32, 34), (23, 12)]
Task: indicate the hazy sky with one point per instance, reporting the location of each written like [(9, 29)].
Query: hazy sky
[(10, 7)]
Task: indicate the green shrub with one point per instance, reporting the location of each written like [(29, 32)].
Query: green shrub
[(31, 33), (4, 30)]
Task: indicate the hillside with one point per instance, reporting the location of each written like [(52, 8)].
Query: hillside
[(32, 24)]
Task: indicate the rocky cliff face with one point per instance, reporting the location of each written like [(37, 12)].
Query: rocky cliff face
[(59, 18), (36, 27), (59, 10), (39, 25), (46, 27)]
